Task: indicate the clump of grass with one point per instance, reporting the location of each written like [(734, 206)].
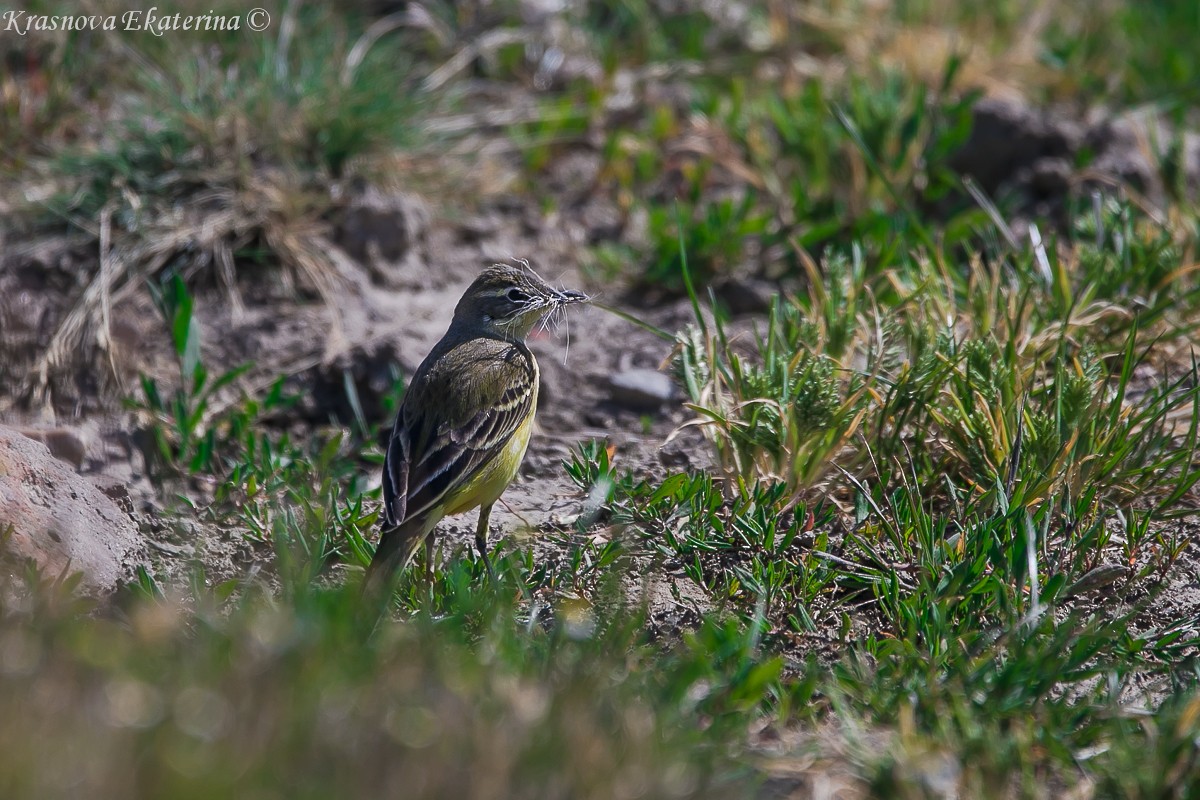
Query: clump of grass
[(637, 31), (716, 234), (743, 552), (981, 646), (990, 718), (992, 554), (182, 437), (860, 155), (217, 159), (782, 420), (814, 163), (981, 671), (781, 409), (957, 370)]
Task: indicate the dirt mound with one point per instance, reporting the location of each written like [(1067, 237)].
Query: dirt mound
[(62, 521)]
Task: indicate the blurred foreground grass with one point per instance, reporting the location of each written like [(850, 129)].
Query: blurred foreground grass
[(299, 698)]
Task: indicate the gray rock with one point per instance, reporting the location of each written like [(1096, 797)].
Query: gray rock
[(641, 389), (60, 520)]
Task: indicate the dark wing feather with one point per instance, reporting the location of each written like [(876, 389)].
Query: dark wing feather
[(395, 478), (464, 403)]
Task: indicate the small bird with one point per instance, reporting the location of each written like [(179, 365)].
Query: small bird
[(465, 420)]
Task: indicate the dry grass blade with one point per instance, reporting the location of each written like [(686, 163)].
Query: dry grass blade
[(201, 232), (488, 43)]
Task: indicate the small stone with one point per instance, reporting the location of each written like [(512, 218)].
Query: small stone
[(1008, 135), (598, 419), (481, 226), (641, 389), (675, 454), (686, 449), (1118, 145)]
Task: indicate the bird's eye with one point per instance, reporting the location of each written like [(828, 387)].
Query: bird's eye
[(517, 296)]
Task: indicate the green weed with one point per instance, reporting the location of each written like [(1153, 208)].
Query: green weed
[(184, 439)]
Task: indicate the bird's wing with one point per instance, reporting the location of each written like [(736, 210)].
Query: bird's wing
[(455, 415)]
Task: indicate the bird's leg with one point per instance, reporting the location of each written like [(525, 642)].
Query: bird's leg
[(429, 560), (481, 538), (429, 554)]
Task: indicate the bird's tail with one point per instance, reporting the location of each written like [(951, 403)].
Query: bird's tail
[(396, 548)]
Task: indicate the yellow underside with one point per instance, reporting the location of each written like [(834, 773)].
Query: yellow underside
[(486, 486)]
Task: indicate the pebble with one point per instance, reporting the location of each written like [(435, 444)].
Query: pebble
[(641, 389)]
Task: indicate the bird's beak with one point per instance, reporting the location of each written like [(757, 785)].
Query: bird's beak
[(567, 297)]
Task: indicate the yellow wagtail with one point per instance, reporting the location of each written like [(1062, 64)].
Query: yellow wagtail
[(465, 420)]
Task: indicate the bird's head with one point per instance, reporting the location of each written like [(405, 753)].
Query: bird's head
[(509, 301)]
